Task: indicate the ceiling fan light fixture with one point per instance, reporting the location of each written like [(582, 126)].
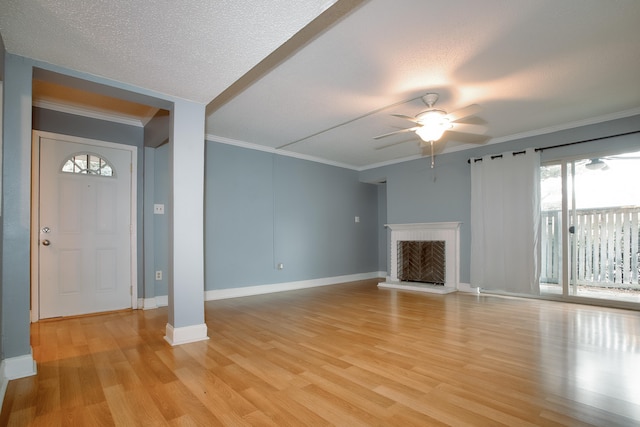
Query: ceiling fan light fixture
[(434, 124), (595, 164)]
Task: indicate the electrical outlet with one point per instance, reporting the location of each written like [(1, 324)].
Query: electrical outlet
[(357, 219), (158, 209), (159, 275)]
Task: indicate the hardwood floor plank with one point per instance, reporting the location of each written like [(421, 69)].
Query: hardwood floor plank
[(279, 415), (133, 407), (364, 404), (174, 400), (349, 354), (97, 415), (411, 381), (149, 369), (327, 409), (418, 403), (225, 403), (499, 405), (268, 372), (501, 415)]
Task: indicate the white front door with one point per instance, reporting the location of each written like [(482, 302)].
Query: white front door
[(84, 248)]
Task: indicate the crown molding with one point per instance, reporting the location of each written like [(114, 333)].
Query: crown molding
[(281, 152), (567, 126), (93, 114)]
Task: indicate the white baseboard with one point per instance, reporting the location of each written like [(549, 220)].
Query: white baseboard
[(466, 287), (19, 367), (246, 291), (153, 302), (186, 334), (216, 294), (14, 368)]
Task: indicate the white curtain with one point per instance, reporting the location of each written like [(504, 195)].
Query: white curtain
[(505, 222)]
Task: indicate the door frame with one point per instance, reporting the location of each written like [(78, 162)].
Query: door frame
[(36, 136)]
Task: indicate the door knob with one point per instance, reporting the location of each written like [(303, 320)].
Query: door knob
[(46, 242)]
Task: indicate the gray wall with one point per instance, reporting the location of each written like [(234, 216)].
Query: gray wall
[(1, 221), (262, 209), (382, 230), (16, 207), (2, 51), (102, 130), (149, 223), (416, 193), (161, 222)]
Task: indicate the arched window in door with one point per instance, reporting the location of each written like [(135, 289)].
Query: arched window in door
[(88, 164)]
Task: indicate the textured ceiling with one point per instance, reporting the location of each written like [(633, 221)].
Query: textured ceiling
[(192, 49), (277, 77)]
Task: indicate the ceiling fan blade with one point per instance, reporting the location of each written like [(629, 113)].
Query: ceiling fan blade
[(469, 128), (463, 138), (467, 111), (382, 147), (395, 132), (620, 158), (402, 116)]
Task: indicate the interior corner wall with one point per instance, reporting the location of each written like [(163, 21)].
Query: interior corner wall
[(161, 227), (316, 234), (383, 259), (149, 222), (102, 130), (417, 193), (263, 209)]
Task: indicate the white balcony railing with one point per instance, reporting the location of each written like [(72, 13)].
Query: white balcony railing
[(606, 246)]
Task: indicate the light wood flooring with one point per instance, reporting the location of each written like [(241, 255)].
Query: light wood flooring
[(346, 355)]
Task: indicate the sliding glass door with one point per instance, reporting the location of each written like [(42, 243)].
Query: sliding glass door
[(591, 228)]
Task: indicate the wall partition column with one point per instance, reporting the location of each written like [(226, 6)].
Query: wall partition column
[(186, 253)]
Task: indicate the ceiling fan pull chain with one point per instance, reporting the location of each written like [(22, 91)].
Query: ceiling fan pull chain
[(433, 161)]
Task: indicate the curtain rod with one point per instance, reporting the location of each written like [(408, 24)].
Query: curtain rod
[(562, 145)]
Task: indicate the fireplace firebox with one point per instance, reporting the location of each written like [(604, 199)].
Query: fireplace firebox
[(422, 261)]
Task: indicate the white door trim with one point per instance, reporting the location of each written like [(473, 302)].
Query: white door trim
[(36, 135)]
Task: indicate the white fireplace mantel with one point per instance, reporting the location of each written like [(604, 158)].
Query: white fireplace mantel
[(425, 226), (447, 231)]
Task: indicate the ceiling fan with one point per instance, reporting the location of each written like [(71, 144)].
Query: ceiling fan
[(432, 123), (598, 163)]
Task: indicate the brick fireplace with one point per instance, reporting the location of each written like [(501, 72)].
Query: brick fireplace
[(444, 236)]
